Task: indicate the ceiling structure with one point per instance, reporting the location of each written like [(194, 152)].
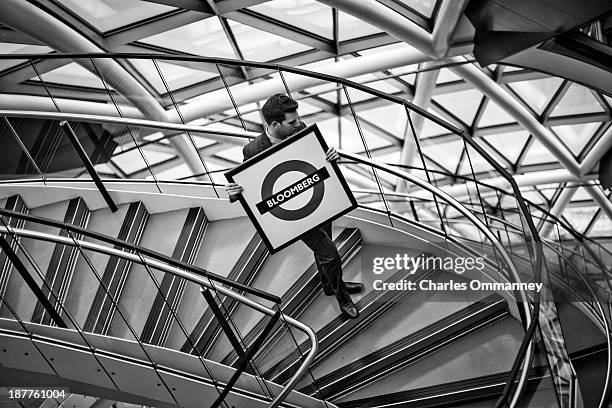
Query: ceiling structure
[(547, 131)]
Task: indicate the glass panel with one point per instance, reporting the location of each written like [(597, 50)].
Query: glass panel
[(577, 136), (581, 195), (548, 189), (479, 164), (109, 14), (205, 37), (446, 75), (397, 47), (11, 48), (259, 45), (462, 104), (446, 154), (132, 162), (350, 27), (577, 100), (15, 162), (425, 7), (579, 217), (391, 118), (71, 74), (494, 115), (509, 144), (602, 226), (180, 171), (430, 128), (537, 153), (176, 76), (538, 92), (309, 15)]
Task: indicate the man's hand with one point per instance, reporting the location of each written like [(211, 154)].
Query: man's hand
[(331, 155), (233, 190)]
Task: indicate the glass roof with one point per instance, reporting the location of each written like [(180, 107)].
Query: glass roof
[(107, 15), (205, 37), (257, 45), (350, 27), (301, 33), (309, 15), (425, 7)]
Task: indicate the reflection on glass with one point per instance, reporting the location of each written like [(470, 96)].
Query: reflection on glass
[(577, 100), (106, 15), (576, 136), (205, 37), (10, 48), (537, 92), (424, 7), (309, 15), (510, 144), (176, 76), (462, 104), (72, 74), (259, 45), (494, 115), (350, 27)]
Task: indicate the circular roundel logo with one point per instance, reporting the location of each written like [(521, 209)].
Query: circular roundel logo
[(272, 200)]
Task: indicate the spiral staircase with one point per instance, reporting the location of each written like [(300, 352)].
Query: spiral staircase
[(161, 293)]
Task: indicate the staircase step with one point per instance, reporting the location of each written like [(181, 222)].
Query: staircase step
[(302, 293), (208, 330), (417, 311), (13, 203), (161, 317), (88, 300), (474, 392), (409, 349), (486, 350), (162, 234), (222, 241), (372, 306), (55, 262)]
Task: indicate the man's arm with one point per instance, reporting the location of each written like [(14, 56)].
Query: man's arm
[(233, 189)]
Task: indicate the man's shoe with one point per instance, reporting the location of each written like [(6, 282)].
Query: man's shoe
[(354, 287), (351, 287), (349, 308)]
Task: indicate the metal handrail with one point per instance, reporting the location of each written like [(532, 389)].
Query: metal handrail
[(197, 279), (483, 228), (535, 239), (131, 247)]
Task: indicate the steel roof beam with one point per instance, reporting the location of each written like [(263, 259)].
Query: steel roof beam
[(424, 85), (267, 24), (557, 208), (217, 101), (503, 99), (435, 44), (37, 23), (597, 151), (600, 198)]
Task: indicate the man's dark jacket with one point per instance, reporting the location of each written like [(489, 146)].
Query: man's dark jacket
[(257, 145)]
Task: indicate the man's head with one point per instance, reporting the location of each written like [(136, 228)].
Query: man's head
[(280, 114)]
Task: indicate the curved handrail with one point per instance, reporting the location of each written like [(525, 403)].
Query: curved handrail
[(198, 279), (605, 318), (530, 232), (131, 247), (483, 228)]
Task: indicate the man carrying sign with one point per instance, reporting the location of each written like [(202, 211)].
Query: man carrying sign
[(282, 121)]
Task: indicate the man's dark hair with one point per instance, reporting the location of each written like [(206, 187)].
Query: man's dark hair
[(276, 106)]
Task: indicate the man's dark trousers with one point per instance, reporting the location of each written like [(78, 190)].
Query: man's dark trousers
[(327, 259)]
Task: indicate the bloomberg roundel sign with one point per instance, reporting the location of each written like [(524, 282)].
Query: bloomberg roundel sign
[(290, 188)]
